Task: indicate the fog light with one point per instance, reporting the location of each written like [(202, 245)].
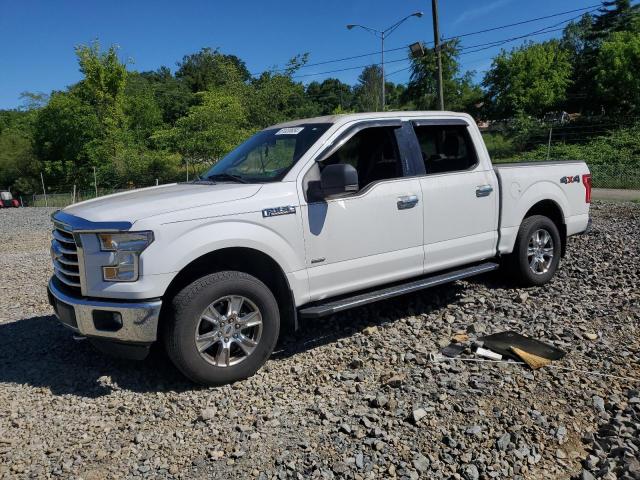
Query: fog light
[(107, 321)]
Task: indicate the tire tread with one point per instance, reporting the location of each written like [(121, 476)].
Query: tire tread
[(181, 302)]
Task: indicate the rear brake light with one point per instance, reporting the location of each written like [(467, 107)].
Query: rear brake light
[(586, 180)]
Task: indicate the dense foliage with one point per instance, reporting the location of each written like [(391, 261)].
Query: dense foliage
[(132, 128)]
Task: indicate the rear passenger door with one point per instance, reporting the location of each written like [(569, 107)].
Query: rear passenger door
[(460, 195)]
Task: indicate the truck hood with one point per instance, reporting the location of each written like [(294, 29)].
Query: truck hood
[(147, 202)]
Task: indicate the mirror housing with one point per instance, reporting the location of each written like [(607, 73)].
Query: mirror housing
[(338, 179)]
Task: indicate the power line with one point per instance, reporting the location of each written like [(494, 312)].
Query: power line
[(353, 57), (485, 46), (503, 42), (497, 43), (591, 8), (349, 68)]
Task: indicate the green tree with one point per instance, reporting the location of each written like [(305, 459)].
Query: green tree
[(615, 16), (330, 95), (584, 39), (104, 83), (460, 93), (209, 68), (213, 127), (64, 130), (18, 163), (395, 95), (33, 100), (531, 79), (616, 80), (173, 96), (275, 96), (367, 93), (142, 112)]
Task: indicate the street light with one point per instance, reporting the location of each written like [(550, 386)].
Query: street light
[(382, 34)]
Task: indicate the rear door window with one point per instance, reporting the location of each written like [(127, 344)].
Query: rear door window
[(446, 148)]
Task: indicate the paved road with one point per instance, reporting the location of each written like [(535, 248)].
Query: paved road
[(615, 194)]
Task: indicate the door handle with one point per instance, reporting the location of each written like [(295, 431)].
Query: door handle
[(484, 190), (407, 201)]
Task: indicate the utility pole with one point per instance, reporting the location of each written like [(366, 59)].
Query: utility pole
[(44, 190), (382, 71), (436, 42), (95, 180)]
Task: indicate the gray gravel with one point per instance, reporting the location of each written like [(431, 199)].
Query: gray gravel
[(354, 396)]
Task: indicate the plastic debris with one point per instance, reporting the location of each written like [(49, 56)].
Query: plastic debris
[(504, 343), (483, 352), (452, 350)]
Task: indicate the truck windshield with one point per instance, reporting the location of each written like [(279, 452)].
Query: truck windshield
[(268, 155)]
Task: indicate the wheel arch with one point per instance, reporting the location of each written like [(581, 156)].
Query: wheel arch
[(553, 211), (244, 259)]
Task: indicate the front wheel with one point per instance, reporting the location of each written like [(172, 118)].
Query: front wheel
[(224, 327), (536, 253)]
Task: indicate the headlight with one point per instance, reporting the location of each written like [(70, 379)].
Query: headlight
[(127, 247)]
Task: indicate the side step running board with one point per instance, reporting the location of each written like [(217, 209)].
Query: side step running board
[(335, 306)]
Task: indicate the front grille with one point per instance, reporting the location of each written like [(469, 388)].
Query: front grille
[(64, 254)]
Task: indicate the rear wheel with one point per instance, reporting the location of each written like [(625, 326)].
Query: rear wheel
[(224, 328), (536, 253)]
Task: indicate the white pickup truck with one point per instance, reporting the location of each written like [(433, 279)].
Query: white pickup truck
[(305, 219)]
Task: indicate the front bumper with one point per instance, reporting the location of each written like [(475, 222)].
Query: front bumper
[(119, 321)]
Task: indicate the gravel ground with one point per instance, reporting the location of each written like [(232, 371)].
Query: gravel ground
[(354, 396)]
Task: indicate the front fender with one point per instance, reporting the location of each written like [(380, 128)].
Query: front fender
[(178, 244)]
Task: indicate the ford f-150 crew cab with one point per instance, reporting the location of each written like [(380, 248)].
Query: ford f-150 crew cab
[(305, 219)]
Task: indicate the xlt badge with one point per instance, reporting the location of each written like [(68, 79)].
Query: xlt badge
[(276, 211)]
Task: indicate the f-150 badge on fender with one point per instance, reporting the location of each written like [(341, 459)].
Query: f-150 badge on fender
[(277, 211), (570, 179)]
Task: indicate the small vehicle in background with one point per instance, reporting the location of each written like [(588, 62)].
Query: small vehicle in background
[(7, 200)]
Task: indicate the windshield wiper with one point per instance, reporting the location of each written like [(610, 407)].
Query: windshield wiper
[(227, 176)]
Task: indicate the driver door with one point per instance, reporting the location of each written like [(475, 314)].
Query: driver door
[(372, 236)]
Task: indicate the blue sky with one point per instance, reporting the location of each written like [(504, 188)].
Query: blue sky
[(37, 37)]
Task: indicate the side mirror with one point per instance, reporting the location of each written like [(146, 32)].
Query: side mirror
[(338, 179)]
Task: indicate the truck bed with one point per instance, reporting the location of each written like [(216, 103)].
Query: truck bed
[(557, 183)]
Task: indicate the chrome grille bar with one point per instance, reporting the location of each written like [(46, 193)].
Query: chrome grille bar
[(69, 273), (65, 261), (60, 276), (64, 254), (62, 238)]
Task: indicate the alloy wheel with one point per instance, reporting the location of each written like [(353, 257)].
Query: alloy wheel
[(228, 331)]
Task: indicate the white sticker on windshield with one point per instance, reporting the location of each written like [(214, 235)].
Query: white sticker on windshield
[(289, 131)]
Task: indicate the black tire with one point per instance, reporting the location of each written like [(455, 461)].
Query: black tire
[(187, 308), (518, 262)]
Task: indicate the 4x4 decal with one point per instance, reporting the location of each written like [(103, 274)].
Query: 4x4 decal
[(570, 179)]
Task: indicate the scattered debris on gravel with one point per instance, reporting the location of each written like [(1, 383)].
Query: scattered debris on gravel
[(353, 396)]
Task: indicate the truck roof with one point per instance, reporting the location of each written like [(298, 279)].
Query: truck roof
[(350, 117)]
